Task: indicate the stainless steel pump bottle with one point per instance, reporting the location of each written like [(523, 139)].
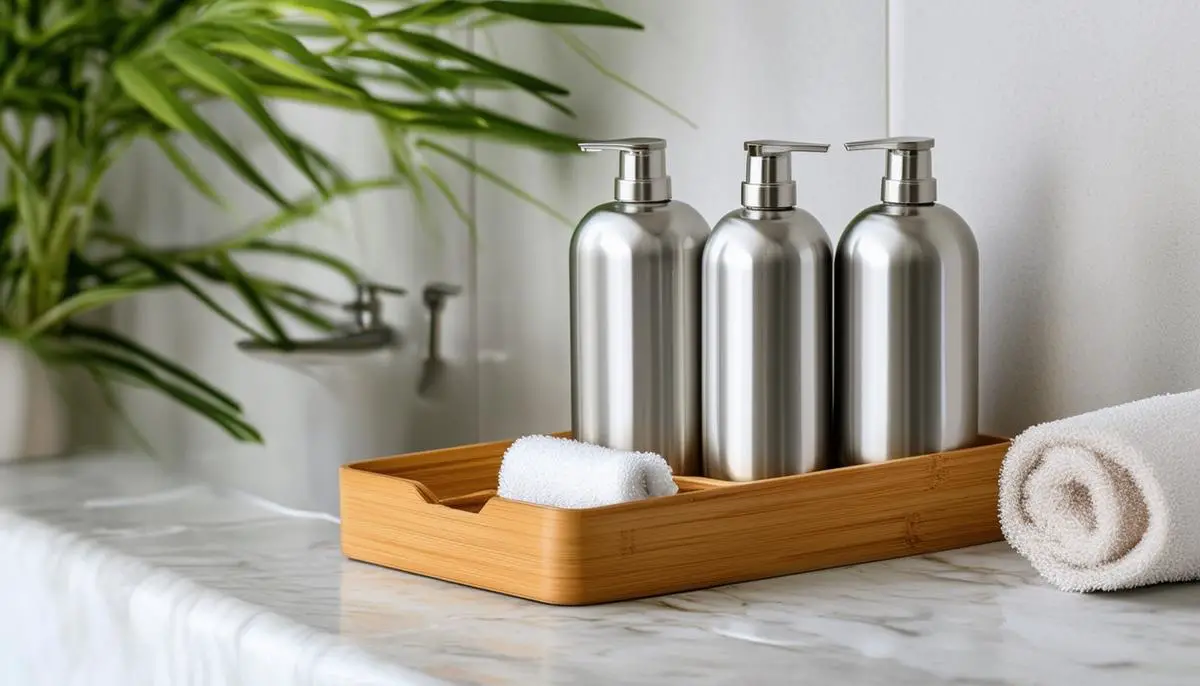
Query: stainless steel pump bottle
[(767, 273), (906, 282), (635, 313)]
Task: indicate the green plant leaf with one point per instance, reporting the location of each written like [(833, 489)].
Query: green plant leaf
[(319, 160), (285, 290), (288, 70), (500, 127), (473, 78), (43, 166), (263, 285), (66, 24), (392, 78), (332, 9), (120, 343), (231, 422), (401, 154), (326, 98), (165, 271), (31, 207), (216, 76), (428, 13), (540, 12), (488, 22), (431, 45), (186, 168), (495, 178), (307, 315), (253, 299), (8, 219), (137, 29), (266, 35), (78, 304), (405, 161), (278, 295), (309, 29), (484, 123), (169, 275), (109, 395), (22, 176), (427, 73), (447, 192), (40, 101), (299, 211), (589, 55), (433, 12), (141, 85), (463, 119), (304, 252), (561, 13)]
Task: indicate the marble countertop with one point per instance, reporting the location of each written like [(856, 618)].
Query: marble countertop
[(114, 571)]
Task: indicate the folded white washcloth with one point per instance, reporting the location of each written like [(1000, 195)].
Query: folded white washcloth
[(1108, 499), (559, 472)]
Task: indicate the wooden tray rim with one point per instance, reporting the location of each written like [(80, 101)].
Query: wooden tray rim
[(716, 488)]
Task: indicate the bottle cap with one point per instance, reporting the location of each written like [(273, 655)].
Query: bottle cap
[(909, 179), (769, 184), (643, 171)]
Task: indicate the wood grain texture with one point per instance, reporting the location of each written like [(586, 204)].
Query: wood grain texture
[(435, 513)]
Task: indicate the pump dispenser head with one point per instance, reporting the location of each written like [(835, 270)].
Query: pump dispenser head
[(909, 179), (769, 184), (643, 172)]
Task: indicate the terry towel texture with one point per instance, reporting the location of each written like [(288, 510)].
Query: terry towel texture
[(563, 473), (1109, 499)]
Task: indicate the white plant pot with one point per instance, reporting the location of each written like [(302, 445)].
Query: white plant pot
[(32, 416)]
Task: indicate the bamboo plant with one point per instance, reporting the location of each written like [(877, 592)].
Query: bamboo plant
[(81, 80)]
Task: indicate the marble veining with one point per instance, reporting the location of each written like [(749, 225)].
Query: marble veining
[(116, 571)]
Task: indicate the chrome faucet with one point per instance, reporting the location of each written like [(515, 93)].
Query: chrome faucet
[(434, 296), (366, 305), (366, 333)]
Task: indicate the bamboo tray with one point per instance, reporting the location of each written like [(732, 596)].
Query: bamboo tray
[(436, 513)]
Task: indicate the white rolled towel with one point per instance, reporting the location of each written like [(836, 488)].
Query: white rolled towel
[(1109, 499), (560, 472)]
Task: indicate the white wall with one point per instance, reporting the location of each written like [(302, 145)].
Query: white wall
[(1067, 136)]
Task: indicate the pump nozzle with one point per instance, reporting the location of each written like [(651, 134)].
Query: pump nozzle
[(909, 179), (643, 172), (769, 184)]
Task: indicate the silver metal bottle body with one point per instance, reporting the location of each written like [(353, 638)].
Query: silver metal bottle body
[(906, 333), (635, 329), (766, 372)]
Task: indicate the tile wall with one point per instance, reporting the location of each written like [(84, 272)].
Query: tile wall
[(1067, 135)]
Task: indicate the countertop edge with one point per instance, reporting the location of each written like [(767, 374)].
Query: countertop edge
[(119, 617)]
